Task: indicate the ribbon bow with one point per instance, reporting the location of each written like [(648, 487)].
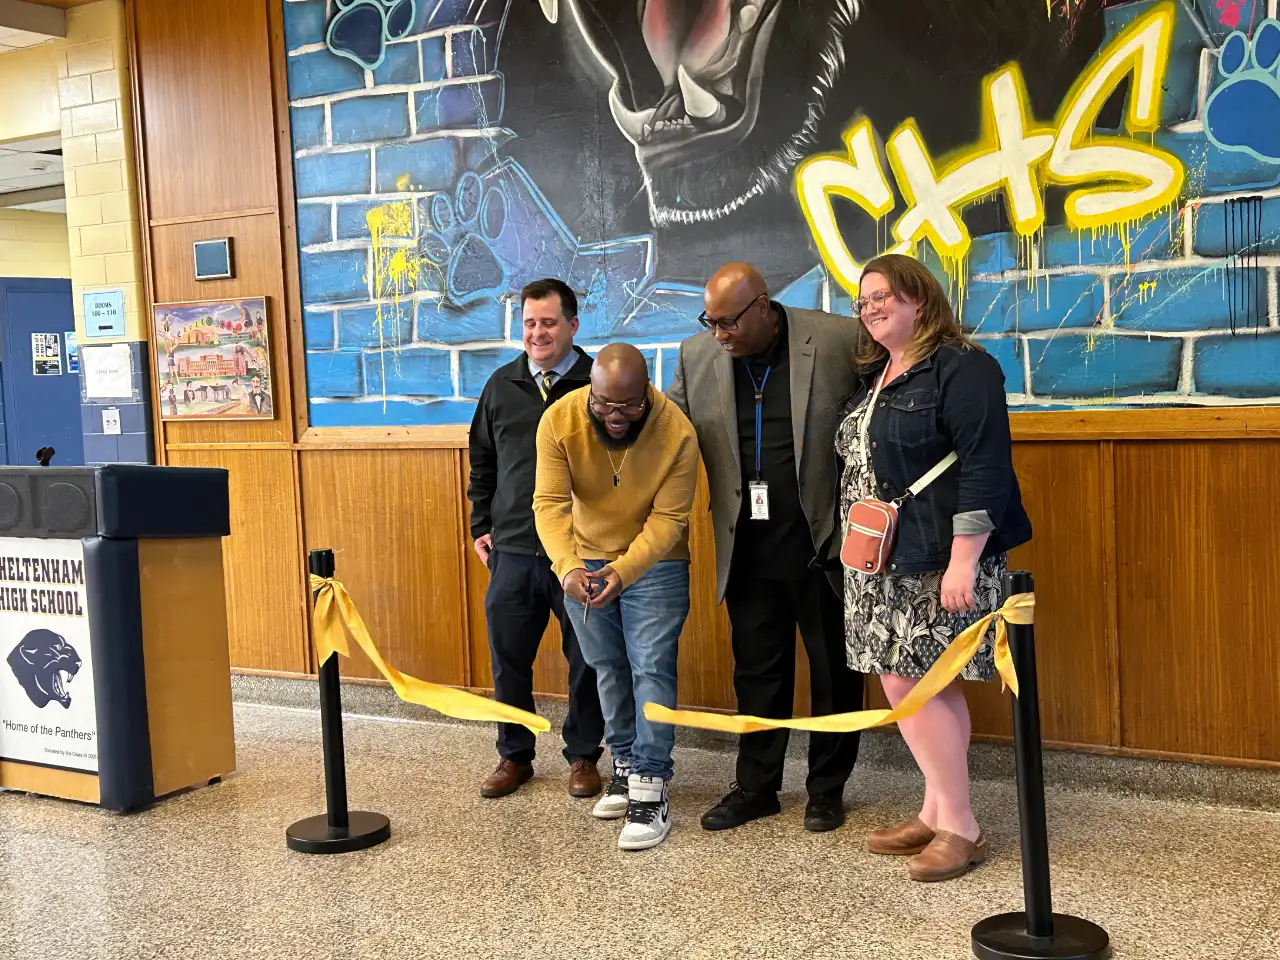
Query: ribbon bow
[(1019, 609), (336, 616)]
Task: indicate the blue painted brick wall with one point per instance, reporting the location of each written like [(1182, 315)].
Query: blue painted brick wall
[(1253, 228), (315, 223), (430, 165), (442, 323), (1241, 366), (1052, 303), (353, 222), (1074, 365), (325, 175), (1152, 239), (308, 126), (476, 366), (320, 73), (366, 119), (334, 375), (399, 66), (468, 104), (317, 330), (418, 371), (304, 23), (335, 276), (1187, 298), (435, 58), (365, 327), (467, 54)]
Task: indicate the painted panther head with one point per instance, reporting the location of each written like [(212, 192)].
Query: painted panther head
[(721, 99), (44, 664)]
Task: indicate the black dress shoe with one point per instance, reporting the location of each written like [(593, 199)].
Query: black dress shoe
[(739, 807), (824, 813)]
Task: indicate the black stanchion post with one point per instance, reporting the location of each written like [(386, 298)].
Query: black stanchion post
[(1037, 933), (338, 830)]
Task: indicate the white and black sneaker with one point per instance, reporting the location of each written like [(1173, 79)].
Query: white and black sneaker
[(648, 814), (613, 805)]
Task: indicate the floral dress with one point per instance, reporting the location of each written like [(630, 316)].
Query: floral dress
[(895, 623)]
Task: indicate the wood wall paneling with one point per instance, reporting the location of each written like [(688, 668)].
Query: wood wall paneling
[(262, 559), (257, 256), (394, 521), (207, 112), (1198, 560)]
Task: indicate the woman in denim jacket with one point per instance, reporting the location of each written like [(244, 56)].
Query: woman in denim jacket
[(927, 391)]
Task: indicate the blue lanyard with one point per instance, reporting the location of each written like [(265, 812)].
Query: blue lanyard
[(759, 407)]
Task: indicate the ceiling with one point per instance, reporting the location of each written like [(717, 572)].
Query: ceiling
[(30, 165), (11, 39)]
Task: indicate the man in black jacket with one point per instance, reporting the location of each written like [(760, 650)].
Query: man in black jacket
[(523, 591)]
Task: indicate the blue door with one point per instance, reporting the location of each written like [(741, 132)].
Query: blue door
[(41, 393)]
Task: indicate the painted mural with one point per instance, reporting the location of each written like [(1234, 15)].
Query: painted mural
[(1095, 182)]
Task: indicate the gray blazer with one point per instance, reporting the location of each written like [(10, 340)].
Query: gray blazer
[(821, 347)]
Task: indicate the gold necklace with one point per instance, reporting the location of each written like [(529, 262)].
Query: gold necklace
[(617, 467)]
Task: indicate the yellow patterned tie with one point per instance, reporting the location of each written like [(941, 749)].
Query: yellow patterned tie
[(545, 382)]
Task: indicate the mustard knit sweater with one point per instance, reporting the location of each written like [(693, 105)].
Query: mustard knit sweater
[(580, 514)]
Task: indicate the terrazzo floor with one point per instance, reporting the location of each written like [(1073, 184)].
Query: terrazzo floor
[(206, 874)]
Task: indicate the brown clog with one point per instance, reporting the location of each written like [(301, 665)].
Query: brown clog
[(901, 841), (946, 857)]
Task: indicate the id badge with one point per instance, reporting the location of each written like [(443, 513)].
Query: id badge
[(759, 493)]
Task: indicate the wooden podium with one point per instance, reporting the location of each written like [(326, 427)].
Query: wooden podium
[(115, 682)]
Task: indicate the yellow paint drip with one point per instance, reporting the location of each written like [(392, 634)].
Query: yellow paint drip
[(396, 270)]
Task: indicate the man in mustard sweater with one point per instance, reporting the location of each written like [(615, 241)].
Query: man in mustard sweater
[(617, 466)]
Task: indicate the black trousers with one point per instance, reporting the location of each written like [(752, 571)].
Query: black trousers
[(764, 615), (523, 592)]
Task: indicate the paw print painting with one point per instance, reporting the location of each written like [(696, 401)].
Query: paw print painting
[(1243, 115), (361, 29), (458, 233)]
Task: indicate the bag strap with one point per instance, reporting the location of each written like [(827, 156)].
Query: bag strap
[(941, 467), (938, 470)]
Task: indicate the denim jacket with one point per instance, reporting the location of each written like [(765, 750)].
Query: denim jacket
[(952, 400)]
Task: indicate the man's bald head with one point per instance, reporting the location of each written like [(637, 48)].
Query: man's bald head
[(619, 398), (736, 301)]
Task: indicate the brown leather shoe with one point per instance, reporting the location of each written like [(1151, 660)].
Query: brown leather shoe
[(903, 840), (946, 857), (507, 777), (584, 779)]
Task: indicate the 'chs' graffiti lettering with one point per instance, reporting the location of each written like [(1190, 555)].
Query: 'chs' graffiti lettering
[(1121, 179)]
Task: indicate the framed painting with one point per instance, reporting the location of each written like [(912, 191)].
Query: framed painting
[(213, 360)]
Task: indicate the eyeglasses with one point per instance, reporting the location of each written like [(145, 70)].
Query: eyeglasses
[(875, 301), (603, 408), (726, 324)]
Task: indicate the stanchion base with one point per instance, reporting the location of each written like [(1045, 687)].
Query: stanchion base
[(313, 835), (1005, 937)]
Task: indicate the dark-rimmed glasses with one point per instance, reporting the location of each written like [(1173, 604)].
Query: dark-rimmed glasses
[(603, 408), (875, 301), (711, 324)]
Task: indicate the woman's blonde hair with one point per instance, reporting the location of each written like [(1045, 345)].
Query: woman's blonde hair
[(936, 324)]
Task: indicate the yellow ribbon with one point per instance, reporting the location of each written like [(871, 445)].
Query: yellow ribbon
[(1019, 609), (336, 616)]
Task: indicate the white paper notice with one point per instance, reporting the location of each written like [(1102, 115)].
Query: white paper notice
[(107, 373), (111, 421)]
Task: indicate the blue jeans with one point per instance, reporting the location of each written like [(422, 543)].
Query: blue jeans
[(631, 645)]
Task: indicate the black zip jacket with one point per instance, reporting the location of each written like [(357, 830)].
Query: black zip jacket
[(504, 434), (951, 400)]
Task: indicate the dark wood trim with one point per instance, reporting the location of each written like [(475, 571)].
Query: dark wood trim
[(1111, 588), (1172, 423), (147, 282), (288, 219)]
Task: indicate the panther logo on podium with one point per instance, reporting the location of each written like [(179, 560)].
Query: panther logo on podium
[(44, 664)]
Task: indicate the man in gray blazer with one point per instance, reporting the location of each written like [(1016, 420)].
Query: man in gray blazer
[(764, 387)]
